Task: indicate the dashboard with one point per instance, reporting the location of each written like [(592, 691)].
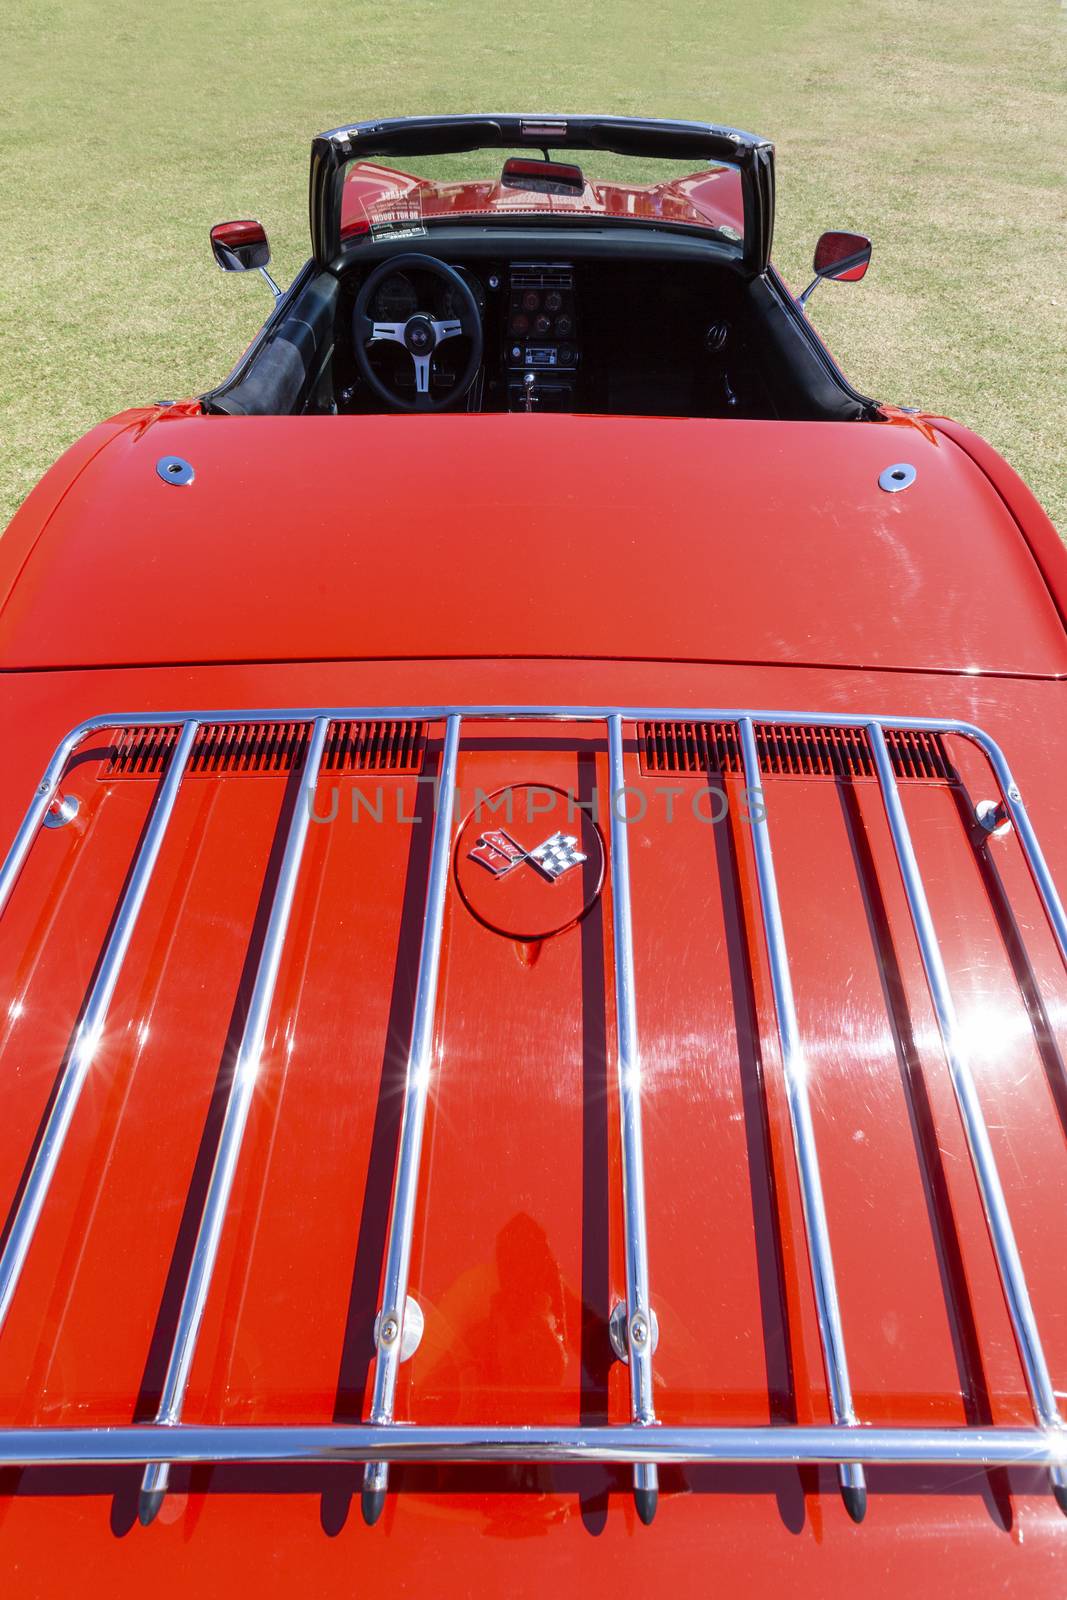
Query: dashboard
[(600, 332), (529, 313)]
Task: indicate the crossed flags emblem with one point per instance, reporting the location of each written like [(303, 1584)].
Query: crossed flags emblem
[(499, 854)]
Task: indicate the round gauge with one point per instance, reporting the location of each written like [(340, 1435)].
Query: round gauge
[(542, 324), (531, 300), (520, 322), (450, 303), (553, 300), (564, 326), (396, 300)]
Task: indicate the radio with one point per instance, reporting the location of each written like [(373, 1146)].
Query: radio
[(544, 355)]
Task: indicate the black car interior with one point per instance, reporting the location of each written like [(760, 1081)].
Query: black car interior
[(618, 322)]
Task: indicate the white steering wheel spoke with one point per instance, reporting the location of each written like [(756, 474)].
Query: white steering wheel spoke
[(388, 330), (422, 374), (451, 328)]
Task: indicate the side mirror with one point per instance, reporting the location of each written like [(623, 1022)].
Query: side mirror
[(844, 256), (242, 247)]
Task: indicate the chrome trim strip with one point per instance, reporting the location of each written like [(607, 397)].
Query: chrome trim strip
[(242, 1089), (416, 1092), (515, 712), (628, 1056), (795, 1071), (347, 1442), (994, 1204), (555, 712), (76, 1069)]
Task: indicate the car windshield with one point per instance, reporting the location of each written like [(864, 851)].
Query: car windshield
[(379, 199)]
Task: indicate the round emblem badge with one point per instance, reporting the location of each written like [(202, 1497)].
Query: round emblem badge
[(529, 863)]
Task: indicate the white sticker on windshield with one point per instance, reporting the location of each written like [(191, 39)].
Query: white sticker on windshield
[(398, 217)]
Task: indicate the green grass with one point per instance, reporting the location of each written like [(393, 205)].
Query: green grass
[(127, 129)]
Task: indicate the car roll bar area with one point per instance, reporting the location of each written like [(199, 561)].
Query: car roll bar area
[(643, 1443)]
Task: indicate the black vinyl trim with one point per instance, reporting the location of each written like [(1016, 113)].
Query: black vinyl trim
[(795, 316), (277, 313), (281, 367)]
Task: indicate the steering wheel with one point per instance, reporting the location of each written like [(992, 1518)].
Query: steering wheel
[(420, 335)]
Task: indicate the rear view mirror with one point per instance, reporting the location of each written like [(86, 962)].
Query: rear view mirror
[(542, 177), (242, 247), (843, 256)]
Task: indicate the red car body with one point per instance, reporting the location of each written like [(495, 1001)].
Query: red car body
[(504, 560)]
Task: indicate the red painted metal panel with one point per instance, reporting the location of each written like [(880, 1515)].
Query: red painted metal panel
[(575, 537), (518, 1240)]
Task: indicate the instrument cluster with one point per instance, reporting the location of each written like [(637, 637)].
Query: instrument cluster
[(541, 314), (396, 300), (447, 302), (400, 298)]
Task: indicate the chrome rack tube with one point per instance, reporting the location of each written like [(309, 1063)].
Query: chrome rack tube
[(1035, 859), (87, 1039), (242, 1089), (640, 1323), (389, 1327), (853, 1482), (345, 1442), (1001, 1232), (35, 814)]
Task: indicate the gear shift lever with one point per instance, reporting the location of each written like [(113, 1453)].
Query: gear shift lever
[(528, 382)]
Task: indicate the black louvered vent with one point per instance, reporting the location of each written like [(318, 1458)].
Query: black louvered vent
[(698, 748), (541, 275), (265, 747)]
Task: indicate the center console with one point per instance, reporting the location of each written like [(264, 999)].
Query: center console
[(541, 344)]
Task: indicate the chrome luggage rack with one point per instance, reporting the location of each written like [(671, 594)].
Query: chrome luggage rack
[(644, 1443)]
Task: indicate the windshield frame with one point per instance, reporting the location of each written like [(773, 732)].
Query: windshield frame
[(401, 138)]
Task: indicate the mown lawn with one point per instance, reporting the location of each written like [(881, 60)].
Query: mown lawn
[(126, 129)]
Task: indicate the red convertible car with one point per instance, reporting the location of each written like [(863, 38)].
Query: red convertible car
[(532, 986)]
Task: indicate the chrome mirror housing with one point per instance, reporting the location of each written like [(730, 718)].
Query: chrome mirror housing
[(242, 247)]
